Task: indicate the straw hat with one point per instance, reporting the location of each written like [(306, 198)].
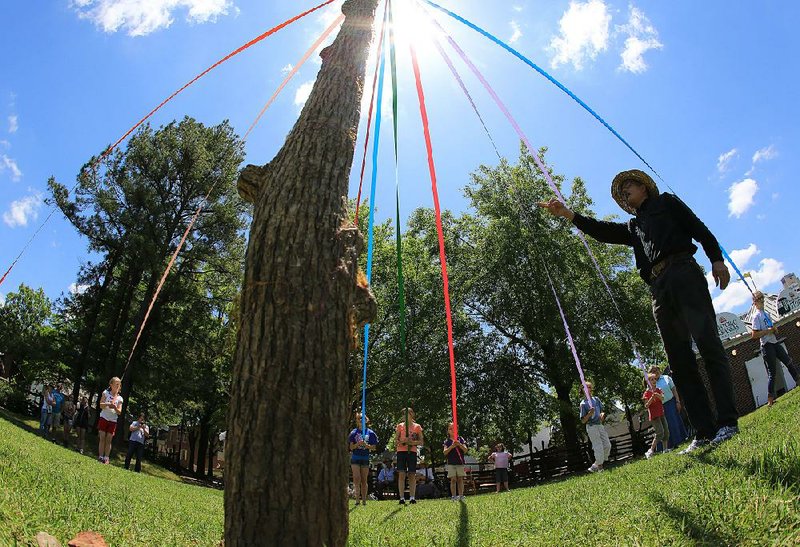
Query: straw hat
[(637, 176)]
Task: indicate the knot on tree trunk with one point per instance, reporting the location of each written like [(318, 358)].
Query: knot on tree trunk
[(250, 180), (364, 307)]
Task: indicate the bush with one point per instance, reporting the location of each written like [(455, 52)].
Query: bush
[(12, 398)]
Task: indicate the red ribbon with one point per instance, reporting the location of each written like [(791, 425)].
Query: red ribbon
[(440, 232)]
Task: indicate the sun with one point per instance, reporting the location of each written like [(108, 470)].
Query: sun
[(412, 26)]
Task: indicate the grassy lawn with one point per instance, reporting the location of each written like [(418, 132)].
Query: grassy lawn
[(747, 492)]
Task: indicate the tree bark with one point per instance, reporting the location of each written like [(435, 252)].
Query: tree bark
[(301, 304)]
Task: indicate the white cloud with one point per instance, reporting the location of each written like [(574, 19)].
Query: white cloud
[(5, 144), (517, 8), (75, 288), (742, 196), (287, 69), (584, 33), (303, 92), (516, 34), (724, 160), (22, 211), (9, 164), (642, 37), (765, 154), (769, 271), (141, 17), (2, 300), (13, 123)]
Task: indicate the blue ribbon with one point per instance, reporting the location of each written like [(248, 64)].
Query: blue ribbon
[(544, 73), (735, 267), (370, 238)]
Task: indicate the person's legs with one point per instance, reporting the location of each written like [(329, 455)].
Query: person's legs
[(606, 443), (665, 433), (460, 485), (81, 438), (107, 448), (364, 484), (401, 485), (698, 313), (101, 444), (356, 469), (784, 358), (131, 450), (678, 346), (658, 437), (677, 431), (597, 443), (453, 486), (498, 479), (412, 470), (770, 360), (43, 421)]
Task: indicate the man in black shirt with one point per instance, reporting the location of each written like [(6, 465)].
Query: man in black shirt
[(661, 234)]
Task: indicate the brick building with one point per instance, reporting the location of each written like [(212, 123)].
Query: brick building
[(748, 370)]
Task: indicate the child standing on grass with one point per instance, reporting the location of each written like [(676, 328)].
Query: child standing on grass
[(454, 450), (591, 413), (110, 409), (654, 402), (501, 458), (409, 437), (360, 447), (82, 422)]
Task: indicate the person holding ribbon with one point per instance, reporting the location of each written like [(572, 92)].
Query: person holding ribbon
[(454, 450), (764, 330), (661, 233), (409, 436), (110, 409), (592, 415), (672, 406), (361, 442)]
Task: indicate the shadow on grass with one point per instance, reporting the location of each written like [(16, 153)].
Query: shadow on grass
[(19, 422), (777, 466), (692, 525), (392, 514), (463, 526)]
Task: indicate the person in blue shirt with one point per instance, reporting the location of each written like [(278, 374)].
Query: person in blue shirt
[(361, 444), (592, 415), (58, 402), (764, 330)]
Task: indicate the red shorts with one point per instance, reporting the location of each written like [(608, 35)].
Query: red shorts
[(105, 425)]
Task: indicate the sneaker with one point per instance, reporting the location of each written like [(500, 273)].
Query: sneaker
[(724, 434), (649, 454), (80, 451), (666, 451), (412, 501), (593, 469), (462, 498), (402, 501), (453, 498), (696, 444)]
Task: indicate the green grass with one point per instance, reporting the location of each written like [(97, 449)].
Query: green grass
[(746, 492)]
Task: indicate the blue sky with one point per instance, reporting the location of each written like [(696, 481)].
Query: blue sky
[(705, 91)]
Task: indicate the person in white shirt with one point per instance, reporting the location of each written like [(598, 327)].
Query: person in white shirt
[(764, 330), (385, 478), (139, 433), (110, 409)]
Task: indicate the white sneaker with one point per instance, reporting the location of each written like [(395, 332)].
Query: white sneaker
[(462, 498), (453, 498), (696, 444), (648, 454), (594, 469)]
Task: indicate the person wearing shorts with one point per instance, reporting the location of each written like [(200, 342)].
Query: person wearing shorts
[(110, 409), (82, 422), (361, 443), (501, 458), (454, 450), (407, 454)]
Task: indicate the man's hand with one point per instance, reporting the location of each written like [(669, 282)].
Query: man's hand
[(678, 406), (721, 274), (557, 209)]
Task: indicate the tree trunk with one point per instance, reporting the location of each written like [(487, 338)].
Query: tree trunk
[(212, 445), (301, 304), (202, 445), (566, 415)]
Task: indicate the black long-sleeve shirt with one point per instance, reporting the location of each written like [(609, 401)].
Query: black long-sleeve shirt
[(663, 226)]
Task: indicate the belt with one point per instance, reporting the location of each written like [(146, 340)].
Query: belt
[(661, 266)]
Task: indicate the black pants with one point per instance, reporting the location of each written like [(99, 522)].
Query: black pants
[(683, 311), (772, 354), (138, 448)]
